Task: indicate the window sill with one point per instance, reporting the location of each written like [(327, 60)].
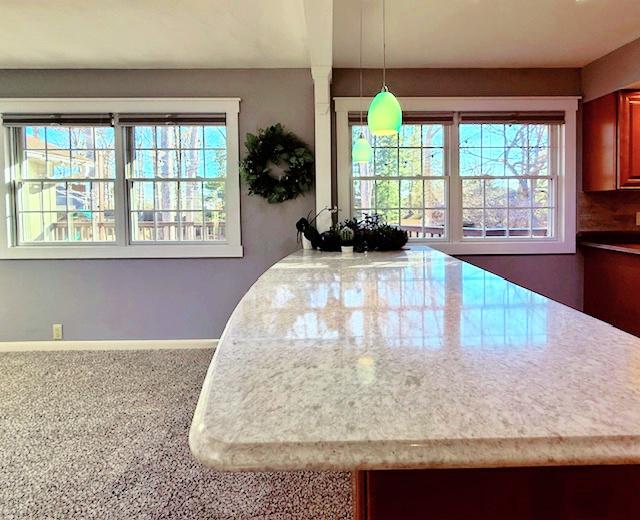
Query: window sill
[(113, 251), (495, 247)]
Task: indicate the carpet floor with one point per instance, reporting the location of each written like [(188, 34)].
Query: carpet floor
[(103, 435)]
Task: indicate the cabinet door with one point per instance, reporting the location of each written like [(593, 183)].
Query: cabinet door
[(629, 140), (599, 149)]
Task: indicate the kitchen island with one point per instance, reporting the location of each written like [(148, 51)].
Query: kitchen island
[(414, 360)]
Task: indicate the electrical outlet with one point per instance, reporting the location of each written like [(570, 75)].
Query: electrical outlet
[(57, 331), (637, 218)]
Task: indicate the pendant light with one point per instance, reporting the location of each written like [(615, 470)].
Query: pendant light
[(361, 151), (385, 114)]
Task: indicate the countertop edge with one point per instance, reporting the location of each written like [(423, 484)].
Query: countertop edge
[(467, 453), (611, 247)]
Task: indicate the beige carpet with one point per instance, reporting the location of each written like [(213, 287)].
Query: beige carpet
[(103, 435)]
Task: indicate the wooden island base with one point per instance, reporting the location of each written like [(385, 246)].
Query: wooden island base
[(541, 493)]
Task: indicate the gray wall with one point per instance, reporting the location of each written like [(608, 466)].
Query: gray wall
[(617, 70), (164, 298), (556, 276)]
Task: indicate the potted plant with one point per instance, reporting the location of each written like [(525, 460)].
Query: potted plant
[(346, 240)]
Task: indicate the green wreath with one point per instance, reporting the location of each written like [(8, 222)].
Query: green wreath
[(275, 145)]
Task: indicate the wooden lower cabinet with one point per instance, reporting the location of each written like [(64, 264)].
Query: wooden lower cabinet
[(612, 287), (546, 493)]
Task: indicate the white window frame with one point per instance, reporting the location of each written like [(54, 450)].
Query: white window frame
[(122, 248), (563, 240)]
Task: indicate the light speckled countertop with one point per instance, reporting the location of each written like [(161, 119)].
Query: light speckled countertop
[(412, 359)]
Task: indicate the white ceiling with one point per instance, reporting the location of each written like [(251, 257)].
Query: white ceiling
[(485, 33), (273, 33), (152, 33)]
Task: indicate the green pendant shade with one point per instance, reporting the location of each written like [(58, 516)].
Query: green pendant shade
[(385, 114), (361, 151)]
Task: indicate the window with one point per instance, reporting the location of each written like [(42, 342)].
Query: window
[(121, 183), (508, 174), (469, 175), (176, 180), (407, 180)]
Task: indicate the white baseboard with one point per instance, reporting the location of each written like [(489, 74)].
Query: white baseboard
[(144, 344)]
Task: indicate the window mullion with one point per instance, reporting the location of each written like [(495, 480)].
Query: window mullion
[(122, 210), (455, 182)]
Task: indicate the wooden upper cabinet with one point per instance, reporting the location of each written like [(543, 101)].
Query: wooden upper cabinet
[(611, 142), (629, 140)]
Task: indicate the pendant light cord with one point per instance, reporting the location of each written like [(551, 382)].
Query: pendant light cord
[(361, 116), (384, 46)]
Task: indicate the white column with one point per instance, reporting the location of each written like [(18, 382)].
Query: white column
[(322, 108)]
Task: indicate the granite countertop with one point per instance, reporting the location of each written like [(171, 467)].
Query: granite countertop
[(622, 242), (412, 359)]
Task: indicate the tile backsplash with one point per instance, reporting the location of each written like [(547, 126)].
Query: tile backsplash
[(608, 211)]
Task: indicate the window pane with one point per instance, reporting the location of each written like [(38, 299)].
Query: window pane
[(520, 193), (386, 141), (363, 194), (410, 164), (144, 163), (142, 196), (433, 136), (493, 161), (191, 137), (57, 138), (433, 162), (515, 160), (411, 221), (391, 216), (388, 195), (410, 135), (214, 195), (470, 136), (470, 162), (541, 195), (55, 226), (82, 163), (538, 136), (215, 137), (214, 225), (538, 162), (167, 136), (35, 137), (495, 193), (472, 223), (104, 226), (79, 196), (472, 193), (144, 137), (495, 222), (386, 162), (105, 164), (434, 222), (493, 136), (142, 226), (82, 137), (54, 196), (215, 163), (167, 227), (191, 195), (104, 137), (30, 196), (31, 227), (166, 196), (80, 226), (434, 194), (167, 165), (541, 222), (192, 225), (411, 195), (103, 194), (519, 222), (192, 163)]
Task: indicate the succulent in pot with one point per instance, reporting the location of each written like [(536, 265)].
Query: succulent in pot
[(346, 240)]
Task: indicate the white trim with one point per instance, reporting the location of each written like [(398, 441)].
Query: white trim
[(322, 112), (146, 344), (564, 242), (231, 247)]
